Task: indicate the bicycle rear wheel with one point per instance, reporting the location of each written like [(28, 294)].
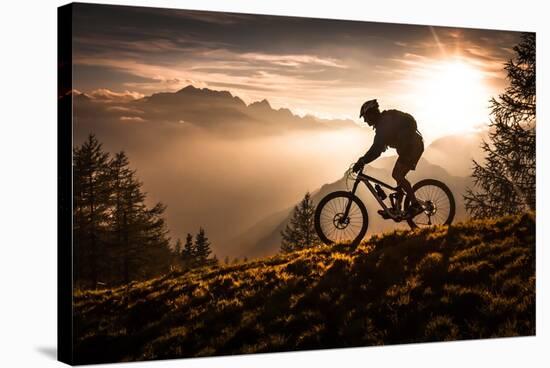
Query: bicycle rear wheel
[(438, 202), (331, 224)]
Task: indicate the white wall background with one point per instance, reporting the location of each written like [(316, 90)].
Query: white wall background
[(28, 188)]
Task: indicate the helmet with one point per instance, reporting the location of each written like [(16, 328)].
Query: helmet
[(371, 104)]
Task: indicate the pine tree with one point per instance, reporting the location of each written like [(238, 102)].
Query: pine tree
[(214, 261), (139, 233), (128, 204), (300, 232), (202, 248), (117, 237), (505, 183), (178, 248), (91, 209), (154, 255), (124, 216), (188, 253)]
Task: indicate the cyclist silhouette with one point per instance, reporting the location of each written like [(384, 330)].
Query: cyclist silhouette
[(397, 130)]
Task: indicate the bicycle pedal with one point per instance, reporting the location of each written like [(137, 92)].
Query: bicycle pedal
[(384, 214)]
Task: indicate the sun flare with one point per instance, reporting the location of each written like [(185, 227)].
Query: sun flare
[(451, 96)]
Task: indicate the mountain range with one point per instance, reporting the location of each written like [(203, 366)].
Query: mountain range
[(214, 110)]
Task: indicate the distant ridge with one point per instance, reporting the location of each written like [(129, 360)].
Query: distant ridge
[(214, 110)]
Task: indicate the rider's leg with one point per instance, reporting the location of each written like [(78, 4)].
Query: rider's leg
[(399, 172)]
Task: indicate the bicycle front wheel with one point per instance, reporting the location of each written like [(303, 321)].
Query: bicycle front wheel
[(332, 223)]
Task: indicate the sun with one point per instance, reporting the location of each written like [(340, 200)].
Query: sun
[(451, 96)]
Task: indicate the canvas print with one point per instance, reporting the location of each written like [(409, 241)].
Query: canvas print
[(243, 183)]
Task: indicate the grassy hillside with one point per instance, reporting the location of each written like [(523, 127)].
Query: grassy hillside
[(472, 280)]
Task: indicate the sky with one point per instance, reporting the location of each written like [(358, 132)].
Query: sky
[(227, 175), (443, 76)]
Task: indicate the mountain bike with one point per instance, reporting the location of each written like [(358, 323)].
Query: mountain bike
[(341, 217)]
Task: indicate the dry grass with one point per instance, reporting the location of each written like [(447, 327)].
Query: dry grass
[(468, 281)]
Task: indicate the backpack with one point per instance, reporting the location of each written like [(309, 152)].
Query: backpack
[(404, 120), (400, 127)]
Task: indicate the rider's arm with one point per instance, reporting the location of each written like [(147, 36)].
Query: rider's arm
[(375, 150)]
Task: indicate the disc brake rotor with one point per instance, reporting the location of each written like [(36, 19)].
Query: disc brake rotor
[(340, 222)]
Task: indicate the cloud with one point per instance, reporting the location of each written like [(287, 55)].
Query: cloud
[(310, 65), (293, 60), (124, 109), (132, 118), (106, 95), (251, 76)]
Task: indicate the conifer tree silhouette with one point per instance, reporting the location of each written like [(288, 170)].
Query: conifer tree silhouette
[(505, 182), (300, 232), (202, 247)]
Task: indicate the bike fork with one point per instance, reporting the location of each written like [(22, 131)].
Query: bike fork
[(348, 205)]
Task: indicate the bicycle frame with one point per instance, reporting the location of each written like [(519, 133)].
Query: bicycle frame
[(368, 180)]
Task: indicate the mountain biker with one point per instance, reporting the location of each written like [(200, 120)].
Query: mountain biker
[(397, 130)]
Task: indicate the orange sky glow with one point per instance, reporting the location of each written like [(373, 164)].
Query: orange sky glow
[(442, 76)]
